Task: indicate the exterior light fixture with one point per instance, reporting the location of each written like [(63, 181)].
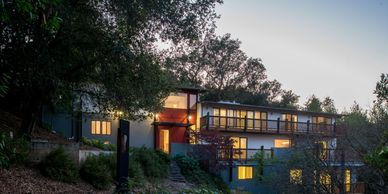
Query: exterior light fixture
[(189, 117)]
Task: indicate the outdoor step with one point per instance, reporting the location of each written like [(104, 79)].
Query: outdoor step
[(175, 173)]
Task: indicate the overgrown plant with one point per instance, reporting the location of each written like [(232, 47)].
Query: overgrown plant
[(59, 166), (99, 170), (12, 151), (98, 144), (192, 171)]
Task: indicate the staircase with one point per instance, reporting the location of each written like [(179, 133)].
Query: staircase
[(175, 173)]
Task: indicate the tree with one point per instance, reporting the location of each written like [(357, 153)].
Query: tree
[(313, 104), (382, 88), (288, 100), (328, 105), (104, 51)]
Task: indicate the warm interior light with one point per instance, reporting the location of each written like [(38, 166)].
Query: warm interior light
[(174, 105), (106, 142), (285, 142)]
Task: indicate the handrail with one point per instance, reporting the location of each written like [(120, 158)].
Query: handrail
[(265, 125)]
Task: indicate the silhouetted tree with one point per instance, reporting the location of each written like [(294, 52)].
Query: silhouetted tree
[(103, 50), (313, 104)]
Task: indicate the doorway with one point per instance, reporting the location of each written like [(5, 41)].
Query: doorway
[(164, 140)]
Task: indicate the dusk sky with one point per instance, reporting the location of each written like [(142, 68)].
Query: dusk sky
[(336, 48)]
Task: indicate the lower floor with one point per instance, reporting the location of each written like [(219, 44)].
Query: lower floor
[(276, 178)]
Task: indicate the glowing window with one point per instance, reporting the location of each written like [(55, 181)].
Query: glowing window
[(282, 143), (176, 100), (100, 127), (325, 179), (296, 176), (245, 172), (347, 180)]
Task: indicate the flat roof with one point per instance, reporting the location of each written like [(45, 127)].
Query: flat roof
[(268, 108)]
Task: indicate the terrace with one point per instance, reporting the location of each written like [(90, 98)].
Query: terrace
[(328, 156), (266, 126)]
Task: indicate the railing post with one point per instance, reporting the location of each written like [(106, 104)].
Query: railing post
[(278, 125), (334, 128), (245, 123), (308, 126), (207, 121)]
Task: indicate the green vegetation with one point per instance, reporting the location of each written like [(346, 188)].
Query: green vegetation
[(98, 144), (192, 171), (59, 166), (12, 151), (99, 171), (147, 164)]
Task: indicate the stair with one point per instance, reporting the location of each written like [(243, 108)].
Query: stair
[(175, 173)]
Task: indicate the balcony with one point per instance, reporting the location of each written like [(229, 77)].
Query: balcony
[(328, 156), (265, 126)]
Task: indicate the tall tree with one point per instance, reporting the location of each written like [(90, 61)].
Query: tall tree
[(313, 104), (328, 105), (382, 88), (104, 51)]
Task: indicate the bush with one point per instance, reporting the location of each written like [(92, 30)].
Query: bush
[(98, 144), (154, 163), (59, 166), (12, 151), (190, 168), (99, 170)]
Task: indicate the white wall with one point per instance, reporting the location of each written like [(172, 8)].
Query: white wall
[(255, 141), (141, 133)]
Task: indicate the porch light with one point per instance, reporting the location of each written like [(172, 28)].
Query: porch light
[(189, 117)]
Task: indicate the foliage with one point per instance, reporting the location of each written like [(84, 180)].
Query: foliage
[(218, 64), (4, 81), (382, 88), (101, 52), (99, 170), (328, 105), (199, 191), (59, 166), (12, 151), (313, 104), (190, 168), (98, 144), (154, 163)]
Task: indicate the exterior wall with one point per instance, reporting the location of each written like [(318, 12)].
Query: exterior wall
[(59, 122), (141, 133), (255, 141), (86, 127)]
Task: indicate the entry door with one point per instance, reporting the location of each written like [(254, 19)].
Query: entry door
[(164, 140)]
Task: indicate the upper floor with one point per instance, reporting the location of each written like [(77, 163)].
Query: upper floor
[(234, 117)]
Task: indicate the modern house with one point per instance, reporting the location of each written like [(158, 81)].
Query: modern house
[(273, 132), (277, 133), (169, 126)]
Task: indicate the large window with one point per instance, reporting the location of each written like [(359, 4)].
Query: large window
[(290, 121), (240, 144), (176, 100), (100, 127), (282, 143), (296, 176), (232, 118), (245, 172)]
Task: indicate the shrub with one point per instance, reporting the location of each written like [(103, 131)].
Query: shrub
[(190, 168), (154, 163), (99, 170), (98, 144), (12, 151), (59, 166)]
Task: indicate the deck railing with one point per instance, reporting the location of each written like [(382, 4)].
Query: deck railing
[(238, 124), (325, 155)]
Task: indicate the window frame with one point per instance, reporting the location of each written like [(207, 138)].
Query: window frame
[(245, 168), (100, 127)]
